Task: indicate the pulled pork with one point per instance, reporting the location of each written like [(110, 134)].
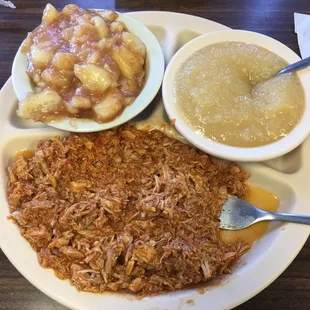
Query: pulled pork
[(125, 209)]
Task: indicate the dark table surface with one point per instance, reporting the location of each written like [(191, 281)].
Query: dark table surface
[(272, 17)]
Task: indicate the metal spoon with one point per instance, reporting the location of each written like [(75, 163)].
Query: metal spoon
[(238, 214), (295, 66)]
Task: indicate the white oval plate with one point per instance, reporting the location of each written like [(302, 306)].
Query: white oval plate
[(263, 264), (154, 74)]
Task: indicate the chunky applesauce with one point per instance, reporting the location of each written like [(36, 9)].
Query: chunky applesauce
[(83, 63), (227, 92)]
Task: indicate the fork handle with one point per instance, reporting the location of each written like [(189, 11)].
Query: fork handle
[(295, 66), (286, 217)]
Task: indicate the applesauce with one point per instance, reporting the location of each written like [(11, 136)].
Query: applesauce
[(227, 92)]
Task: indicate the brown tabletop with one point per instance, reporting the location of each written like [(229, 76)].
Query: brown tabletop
[(272, 17)]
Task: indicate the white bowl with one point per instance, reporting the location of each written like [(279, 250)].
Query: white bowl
[(155, 65), (275, 149)]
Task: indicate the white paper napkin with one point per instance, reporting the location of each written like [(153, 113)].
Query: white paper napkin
[(8, 4), (302, 28)]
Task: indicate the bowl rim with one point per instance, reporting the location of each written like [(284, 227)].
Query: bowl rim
[(242, 154), (155, 66)]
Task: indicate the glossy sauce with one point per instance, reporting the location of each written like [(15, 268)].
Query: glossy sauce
[(28, 153), (227, 92), (262, 199)]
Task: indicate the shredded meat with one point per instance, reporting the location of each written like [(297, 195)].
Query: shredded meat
[(125, 209)]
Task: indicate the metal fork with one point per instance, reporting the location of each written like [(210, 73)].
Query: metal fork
[(238, 214)]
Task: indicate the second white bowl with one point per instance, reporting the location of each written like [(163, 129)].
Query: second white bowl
[(269, 151)]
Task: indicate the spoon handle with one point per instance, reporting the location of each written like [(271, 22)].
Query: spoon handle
[(286, 217), (295, 66)]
